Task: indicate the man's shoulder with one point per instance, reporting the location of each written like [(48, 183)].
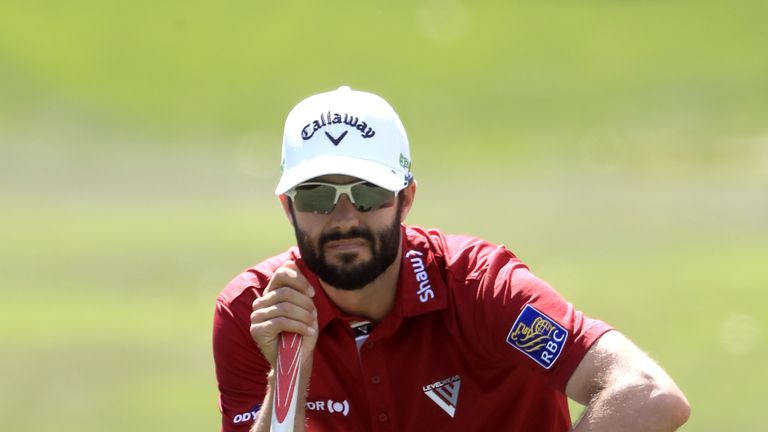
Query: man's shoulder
[(253, 278), (464, 256)]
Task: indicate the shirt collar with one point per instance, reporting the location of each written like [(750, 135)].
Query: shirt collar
[(420, 287)]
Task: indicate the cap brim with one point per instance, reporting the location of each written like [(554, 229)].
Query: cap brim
[(374, 172)]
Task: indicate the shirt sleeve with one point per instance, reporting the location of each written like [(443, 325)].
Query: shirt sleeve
[(241, 370), (528, 324)]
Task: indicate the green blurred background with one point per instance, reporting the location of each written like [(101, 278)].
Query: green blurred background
[(619, 148)]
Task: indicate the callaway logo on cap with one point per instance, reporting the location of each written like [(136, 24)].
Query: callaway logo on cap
[(345, 132)]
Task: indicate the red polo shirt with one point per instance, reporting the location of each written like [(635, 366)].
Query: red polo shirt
[(474, 342)]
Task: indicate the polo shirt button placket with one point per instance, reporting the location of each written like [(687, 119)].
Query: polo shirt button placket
[(376, 384)]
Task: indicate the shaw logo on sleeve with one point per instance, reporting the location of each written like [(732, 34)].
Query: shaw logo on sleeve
[(538, 336), (419, 270)]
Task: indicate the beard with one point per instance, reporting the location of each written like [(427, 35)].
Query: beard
[(349, 275)]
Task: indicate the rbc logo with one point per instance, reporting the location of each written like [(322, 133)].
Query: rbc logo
[(538, 336)]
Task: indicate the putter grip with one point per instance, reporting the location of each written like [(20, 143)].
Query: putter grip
[(286, 382)]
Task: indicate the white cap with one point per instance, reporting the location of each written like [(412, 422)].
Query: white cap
[(345, 132)]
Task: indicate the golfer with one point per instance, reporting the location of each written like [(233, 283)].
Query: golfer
[(405, 328)]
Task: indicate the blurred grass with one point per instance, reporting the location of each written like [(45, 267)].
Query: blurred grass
[(620, 148)]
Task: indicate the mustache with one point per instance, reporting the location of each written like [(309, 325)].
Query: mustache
[(351, 234)]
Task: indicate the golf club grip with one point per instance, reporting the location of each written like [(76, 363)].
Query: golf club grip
[(288, 371)]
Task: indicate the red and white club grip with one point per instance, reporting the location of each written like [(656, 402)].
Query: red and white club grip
[(286, 382)]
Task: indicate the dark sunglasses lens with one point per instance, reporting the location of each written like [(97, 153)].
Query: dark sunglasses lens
[(371, 197), (314, 198)]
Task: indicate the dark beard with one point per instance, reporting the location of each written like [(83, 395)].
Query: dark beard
[(384, 247)]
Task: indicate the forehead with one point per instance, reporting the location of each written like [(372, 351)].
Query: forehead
[(335, 179)]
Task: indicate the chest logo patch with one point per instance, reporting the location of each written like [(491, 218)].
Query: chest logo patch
[(538, 336), (445, 393), (331, 406)]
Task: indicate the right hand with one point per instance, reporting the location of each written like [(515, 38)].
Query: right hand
[(285, 306)]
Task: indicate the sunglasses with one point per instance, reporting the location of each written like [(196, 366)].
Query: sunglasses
[(318, 197)]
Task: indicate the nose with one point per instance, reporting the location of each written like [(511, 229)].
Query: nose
[(344, 215)]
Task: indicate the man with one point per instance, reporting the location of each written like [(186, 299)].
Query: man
[(407, 329)]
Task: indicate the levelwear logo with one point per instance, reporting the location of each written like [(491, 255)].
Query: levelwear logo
[(417, 262), (327, 119), (445, 393)]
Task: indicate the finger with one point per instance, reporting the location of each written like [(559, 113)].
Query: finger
[(268, 330), (283, 295), (283, 310), (289, 275)]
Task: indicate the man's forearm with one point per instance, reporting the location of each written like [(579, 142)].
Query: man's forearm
[(625, 390), (637, 403)]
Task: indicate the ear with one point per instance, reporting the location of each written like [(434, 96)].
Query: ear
[(407, 196), (285, 203)]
